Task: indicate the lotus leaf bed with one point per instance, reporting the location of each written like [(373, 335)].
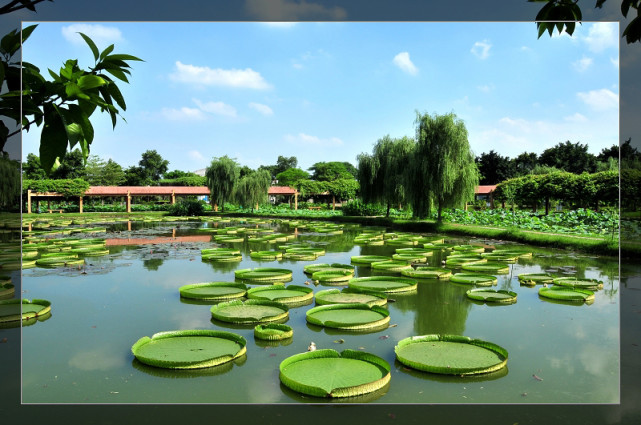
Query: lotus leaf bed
[(333, 276), (563, 293), (427, 272), (389, 284), (14, 310), (273, 332), (368, 259), (54, 262), (292, 294), (266, 255), (450, 354), (213, 291), (349, 296), (474, 279), (250, 311), (328, 373), (264, 274), (351, 317), (492, 295), (189, 349)]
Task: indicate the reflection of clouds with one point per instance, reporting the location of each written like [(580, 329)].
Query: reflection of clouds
[(266, 390), (103, 358), (187, 321), (597, 360)]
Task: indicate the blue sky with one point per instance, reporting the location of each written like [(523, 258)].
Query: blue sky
[(329, 91)]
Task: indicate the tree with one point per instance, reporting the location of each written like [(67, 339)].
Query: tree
[(381, 174), (136, 176), (283, 163), (329, 171), (441, 170), (63, 105), (176, 174), (32, 169), (570, 157), (563, 15), (71, 166), (525, 163), (222, 175), (252, 189), (153, 164), (494, 168), (290, 176), (101, 173)]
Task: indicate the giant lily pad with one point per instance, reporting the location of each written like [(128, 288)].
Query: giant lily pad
[(489, 267), (383, 284), (250, 311), (492, 295), (266, 255), (213, 291), (268, 274), (349, 296), (273, 332), (189, 349), (352, 317), (531, 279), (450, 354), (368, 259), (573, 282), (428, 272), (567, 294), (292, 294), (327, 373), (313, 268), (13, 310), (474, 279), (333, 276)]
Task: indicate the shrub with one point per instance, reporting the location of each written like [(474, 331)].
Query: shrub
[(188, 207), (358, 208)]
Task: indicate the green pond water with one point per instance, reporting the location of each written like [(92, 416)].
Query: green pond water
[(559, 352)]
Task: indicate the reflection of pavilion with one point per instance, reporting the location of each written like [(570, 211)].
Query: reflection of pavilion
[(158, 240)]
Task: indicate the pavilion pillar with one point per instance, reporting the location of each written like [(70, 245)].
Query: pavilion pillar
[(296, 200), (80, 203), (173, 197), (29, 201), (333, 202), (465, 208), (128, 201)]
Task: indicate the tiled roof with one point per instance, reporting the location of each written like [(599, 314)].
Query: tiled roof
[(147, 190), (483, 189), (281, 190)]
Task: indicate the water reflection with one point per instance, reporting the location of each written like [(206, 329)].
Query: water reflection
[(189, 373), (455, 379), (365, 398)]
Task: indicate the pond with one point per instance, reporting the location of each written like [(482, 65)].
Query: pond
[(559, 352)]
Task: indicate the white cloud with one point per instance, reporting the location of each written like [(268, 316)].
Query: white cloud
[(601, 36), (486, 88), (203, 75), (284, 10), (182, 114), (600, 100), (306, 139), (481, 49), (263, 109), (100, 34), (582, 64), (576, 118), (216, 108), (297, 65), (402, 60), (195, 156), (615, 62)]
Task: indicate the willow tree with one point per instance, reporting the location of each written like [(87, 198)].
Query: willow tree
[(441, 171), (381, 174), (252, 189), (222, 176)]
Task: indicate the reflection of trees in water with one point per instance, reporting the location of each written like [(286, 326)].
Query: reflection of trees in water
[(152, 264), (440, 307), (332, 243)]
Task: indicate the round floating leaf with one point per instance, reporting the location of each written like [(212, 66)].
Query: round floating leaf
[(189, 349), (500, 257), (492, 295), (213, 291), (459, 260), (292, 294), (428, 272), (13, 310), (368, 259), (409, 258), (333, 276), (266, 255), (349, 296), (327, 373), (415, 251), (450, 354), (512, 253), (250, 311), (269, 274), (469, 248), (353, 317), (573, 282), (567, 294), (474, 279), (273, 332), (391, 265), (383, 284), (489, 267), (53, 262), (531, 279), (313, 268)]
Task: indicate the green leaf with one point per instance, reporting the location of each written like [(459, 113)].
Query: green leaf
[(90, 81), (118, 74), (10, 43), (77, 115), (26, 32), (632, 32), (91, 44), (122, 57), (72, 90), (116, 95), (106, 52), (53, 141)]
